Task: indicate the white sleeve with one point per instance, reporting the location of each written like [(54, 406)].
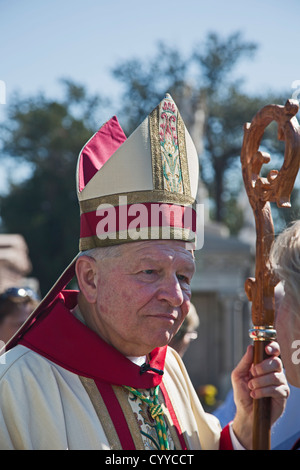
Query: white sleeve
[(234, 440)]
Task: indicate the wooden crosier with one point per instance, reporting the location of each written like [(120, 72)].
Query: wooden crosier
[(277, 188)]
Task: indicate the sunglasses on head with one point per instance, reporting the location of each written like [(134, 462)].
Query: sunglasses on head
[(18, 294)]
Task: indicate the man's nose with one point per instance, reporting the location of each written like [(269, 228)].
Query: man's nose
[(170, 290)]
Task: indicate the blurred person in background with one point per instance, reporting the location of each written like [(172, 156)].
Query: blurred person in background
[(187, 332), (181, 342), (285, 261), (16, 304)]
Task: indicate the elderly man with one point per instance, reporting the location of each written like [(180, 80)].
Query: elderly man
[(92, 369)]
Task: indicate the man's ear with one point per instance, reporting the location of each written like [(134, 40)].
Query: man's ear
[(86, 272)]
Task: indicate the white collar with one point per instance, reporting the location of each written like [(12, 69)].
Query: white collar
[(139, 361)]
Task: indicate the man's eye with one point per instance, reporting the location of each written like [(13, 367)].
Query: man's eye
[(183, 278), (148, 271)]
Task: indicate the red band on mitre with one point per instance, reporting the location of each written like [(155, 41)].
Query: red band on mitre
[(112, 220)]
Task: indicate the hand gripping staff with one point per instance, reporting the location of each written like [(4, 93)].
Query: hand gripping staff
[(276, 187)]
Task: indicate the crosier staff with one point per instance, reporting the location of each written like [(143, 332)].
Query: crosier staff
[(276, 187)]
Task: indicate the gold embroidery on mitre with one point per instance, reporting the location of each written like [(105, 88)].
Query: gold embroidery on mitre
[(183, 156), (138, 197), (157, 168), (147, 233), (169, 156)]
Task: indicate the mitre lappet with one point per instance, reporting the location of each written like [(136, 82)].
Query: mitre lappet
[(142, 187)]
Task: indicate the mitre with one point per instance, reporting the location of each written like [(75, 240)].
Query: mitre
[(138, 188)]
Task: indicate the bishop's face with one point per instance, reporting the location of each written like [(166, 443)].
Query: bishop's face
[(143, 295)]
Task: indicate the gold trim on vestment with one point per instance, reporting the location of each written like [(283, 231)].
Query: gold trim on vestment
[(107, 423), (102, 412), (122, 396), (137, 197)]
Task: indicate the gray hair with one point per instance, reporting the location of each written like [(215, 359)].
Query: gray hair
[(101, 253), (285, 261)]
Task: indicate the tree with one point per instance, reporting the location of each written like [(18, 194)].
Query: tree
[(145, 83), (48, 135), (213, 105)]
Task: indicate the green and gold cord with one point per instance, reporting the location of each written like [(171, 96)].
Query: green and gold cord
[(156, 413)]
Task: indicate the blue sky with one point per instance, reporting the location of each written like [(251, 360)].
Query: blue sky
[(42, 41)]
